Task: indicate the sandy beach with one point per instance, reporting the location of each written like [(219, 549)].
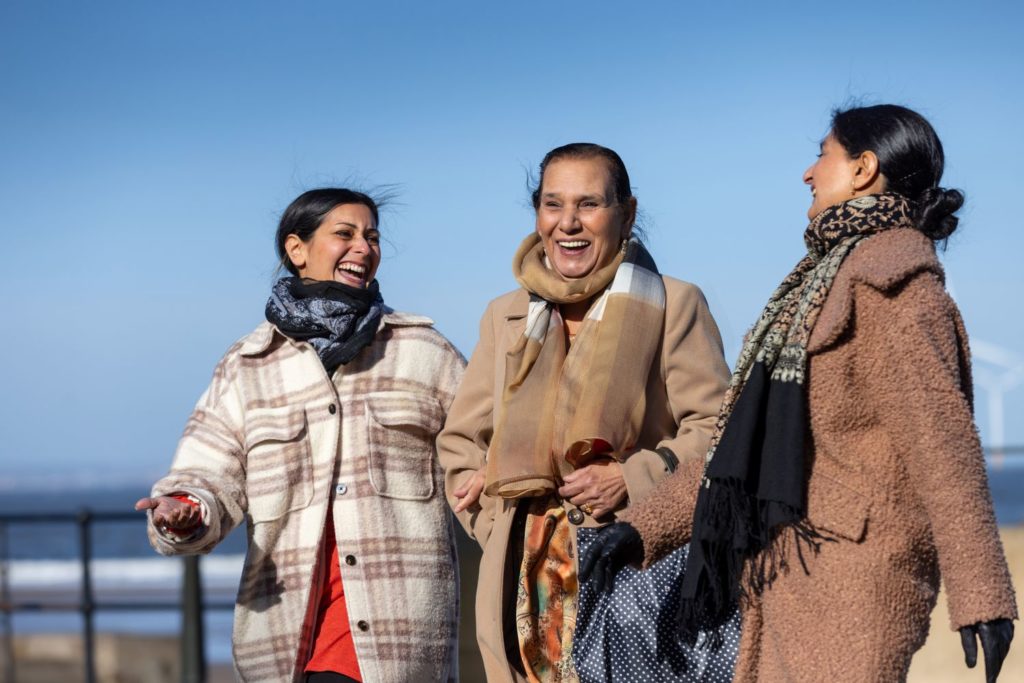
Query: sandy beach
[(941, 660)]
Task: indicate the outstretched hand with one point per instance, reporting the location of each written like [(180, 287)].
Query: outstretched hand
[(171, 512), (615, 546), (995, 639)]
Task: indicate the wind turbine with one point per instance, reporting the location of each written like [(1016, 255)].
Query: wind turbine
[(1001, 371)]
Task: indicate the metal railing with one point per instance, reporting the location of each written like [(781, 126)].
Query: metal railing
[(996, 456), (191, 605)]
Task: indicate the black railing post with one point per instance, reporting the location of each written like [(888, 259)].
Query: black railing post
[(193, 657), (5, 597), (88, 605)]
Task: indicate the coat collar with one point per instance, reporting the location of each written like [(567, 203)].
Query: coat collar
[(515, 314), (884, 262), (260, 339)]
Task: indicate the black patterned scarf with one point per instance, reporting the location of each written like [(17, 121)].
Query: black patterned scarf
[(338, 320), (754, 484)]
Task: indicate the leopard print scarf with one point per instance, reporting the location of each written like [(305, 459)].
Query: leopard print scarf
[(754, 477)]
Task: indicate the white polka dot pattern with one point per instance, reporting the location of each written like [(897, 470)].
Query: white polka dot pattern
[(630, 634)]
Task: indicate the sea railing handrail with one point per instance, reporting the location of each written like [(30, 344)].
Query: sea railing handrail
[(192, 605), (1014, 449)]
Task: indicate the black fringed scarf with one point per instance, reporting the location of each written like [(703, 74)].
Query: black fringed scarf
[(338, 320), (754, 483)]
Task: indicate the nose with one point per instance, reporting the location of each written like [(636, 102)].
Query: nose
[(809, 175), (568, 220), (360, 245)]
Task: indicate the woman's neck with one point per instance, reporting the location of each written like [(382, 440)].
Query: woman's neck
[(575, 312), (573, 315)]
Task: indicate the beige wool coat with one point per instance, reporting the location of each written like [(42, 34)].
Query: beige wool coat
[(895, 476), (273, 440), (684, 391)]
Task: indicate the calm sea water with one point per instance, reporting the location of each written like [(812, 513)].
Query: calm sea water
[(128, 539)]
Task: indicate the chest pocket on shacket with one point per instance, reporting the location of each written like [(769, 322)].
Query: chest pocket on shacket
[(402, 427), (279, 475)]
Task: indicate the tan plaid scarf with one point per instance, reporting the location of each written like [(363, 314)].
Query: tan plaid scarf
[(561, 406)]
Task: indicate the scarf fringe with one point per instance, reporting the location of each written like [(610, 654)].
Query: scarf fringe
[(743, 554)]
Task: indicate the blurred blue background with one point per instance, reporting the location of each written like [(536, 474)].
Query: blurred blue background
[(147, 150)]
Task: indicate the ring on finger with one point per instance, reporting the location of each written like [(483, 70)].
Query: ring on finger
[(587, 508)]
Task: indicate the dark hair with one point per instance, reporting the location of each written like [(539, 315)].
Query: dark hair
[(304, 215), (909, 156)]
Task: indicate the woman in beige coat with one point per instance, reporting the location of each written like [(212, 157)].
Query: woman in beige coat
[(845, 475), (587, 386)]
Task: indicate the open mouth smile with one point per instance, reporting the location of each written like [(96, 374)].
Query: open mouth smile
[(352, 273), (573, 246)]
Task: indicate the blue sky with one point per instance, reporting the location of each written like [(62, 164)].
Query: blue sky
[(147, 150)]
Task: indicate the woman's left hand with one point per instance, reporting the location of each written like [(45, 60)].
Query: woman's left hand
[(995, 639), (600, 486), (469, 493)]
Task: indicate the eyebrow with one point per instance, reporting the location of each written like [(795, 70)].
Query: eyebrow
[(557, 195)]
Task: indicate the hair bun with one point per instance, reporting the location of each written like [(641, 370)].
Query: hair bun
[(935, 209)]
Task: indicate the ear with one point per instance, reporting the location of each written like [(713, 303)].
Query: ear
[(866, 174), (296, 251)]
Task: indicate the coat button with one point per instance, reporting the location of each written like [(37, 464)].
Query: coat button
[(350, 560), (575, 516), (363, 626), (341, 489), (332, 409)]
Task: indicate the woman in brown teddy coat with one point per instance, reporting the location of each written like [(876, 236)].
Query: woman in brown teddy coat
[(845, 475)]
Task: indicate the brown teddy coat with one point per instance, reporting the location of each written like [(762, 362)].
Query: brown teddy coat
[(895, 476)]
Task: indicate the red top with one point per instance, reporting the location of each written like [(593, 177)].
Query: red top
[(333, 649)]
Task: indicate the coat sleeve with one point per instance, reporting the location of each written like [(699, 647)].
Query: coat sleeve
[(209, 464), (920, 381), (696, 377), (463, 442)]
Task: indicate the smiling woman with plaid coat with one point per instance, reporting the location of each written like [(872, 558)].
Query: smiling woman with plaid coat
[(322, 441)]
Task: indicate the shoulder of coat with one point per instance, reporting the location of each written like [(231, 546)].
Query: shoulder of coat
[(888, 259), (882, 262), (512, 304), (417, 334), (402, 319), (680, 290), (257, 341)]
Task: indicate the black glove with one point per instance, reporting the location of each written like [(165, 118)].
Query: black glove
[(615, 546), (995, 642)]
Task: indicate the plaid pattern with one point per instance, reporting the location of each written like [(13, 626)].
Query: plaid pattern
[(274, 440), (561, 407)]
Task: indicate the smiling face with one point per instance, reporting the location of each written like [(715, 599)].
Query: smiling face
[(832, 178), (344, 248), (580, 223)]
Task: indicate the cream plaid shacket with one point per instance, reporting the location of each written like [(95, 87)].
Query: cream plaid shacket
[(273, 440)]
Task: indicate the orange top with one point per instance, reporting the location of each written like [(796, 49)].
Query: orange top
[(333, 648)]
